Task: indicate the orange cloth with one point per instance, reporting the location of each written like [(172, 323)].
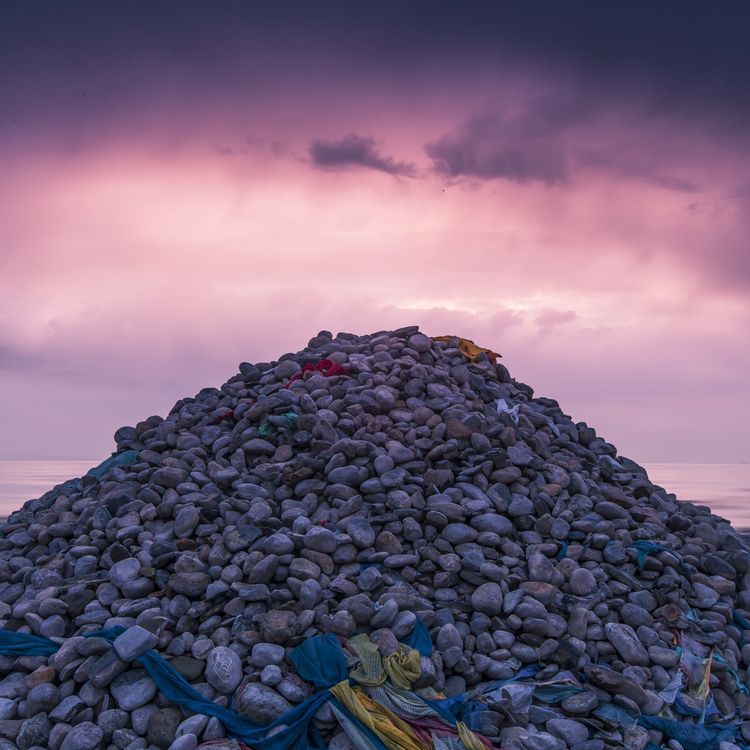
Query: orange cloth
[(469, 348)]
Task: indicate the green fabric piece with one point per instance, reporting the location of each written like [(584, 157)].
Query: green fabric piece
[(120, 459), (645, 548)]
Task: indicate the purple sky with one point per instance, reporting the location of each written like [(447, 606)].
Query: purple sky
[(185, 186)]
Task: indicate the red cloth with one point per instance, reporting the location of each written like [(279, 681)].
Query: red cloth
[(324, 367), (427, 726), (223, 417)]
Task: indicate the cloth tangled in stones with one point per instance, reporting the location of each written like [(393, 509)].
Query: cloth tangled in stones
[(469, 348), (375, 701), (325, 367)]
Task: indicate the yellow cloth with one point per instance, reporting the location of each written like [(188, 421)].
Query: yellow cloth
[(384, 676), (391, 730), (469, 348), (403, 667), (469, 740), (370, 670)]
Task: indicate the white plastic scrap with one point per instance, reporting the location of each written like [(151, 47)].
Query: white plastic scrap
[(504, 408)]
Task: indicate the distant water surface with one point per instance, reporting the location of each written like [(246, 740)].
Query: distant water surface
[(725, 488), (25, 480)]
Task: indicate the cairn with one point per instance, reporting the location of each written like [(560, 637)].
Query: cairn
[(373, 485)]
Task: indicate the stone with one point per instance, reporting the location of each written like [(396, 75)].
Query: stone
[(112, 719), (279, 626), (124, 571), (573, 732), (133, 689), (320, 539), (488, 599), (261, 703), (134, 642), (185, 742), (459, 533), (271, 675), (626, 642), (361, 532), (582, 704), (83, 736), (33, 732), (190, 583), (264, 654), (67, 709), (162, 727), (42, 698), (185, 521), (582, 582), (223, 669)]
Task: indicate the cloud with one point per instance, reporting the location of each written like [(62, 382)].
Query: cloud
[(501, 147), (549, 319), (634, 168), (255, 145), (355, 151), (542, 141)]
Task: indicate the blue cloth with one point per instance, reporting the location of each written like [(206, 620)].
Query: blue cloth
[(741, 622), (458, 708), (740, 685), (320, 661), (555, 693), (530, 670), (419, 639), (692, 736), (299, 732), (368, 733), (563, 553), (120, 459), (23, 644)]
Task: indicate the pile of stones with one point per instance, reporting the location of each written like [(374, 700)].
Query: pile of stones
[(416, 482)]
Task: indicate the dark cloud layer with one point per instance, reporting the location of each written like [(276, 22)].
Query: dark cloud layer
[(639, 170), (491, 147), (356, 151), (679, 56), (542, 143)]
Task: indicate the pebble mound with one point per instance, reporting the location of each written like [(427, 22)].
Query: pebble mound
[(404, 478)]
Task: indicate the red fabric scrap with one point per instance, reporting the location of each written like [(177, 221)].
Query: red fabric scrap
[(223, 417), (324, 367)]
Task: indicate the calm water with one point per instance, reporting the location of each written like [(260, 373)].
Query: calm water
[(23, 480), (725, 488)]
